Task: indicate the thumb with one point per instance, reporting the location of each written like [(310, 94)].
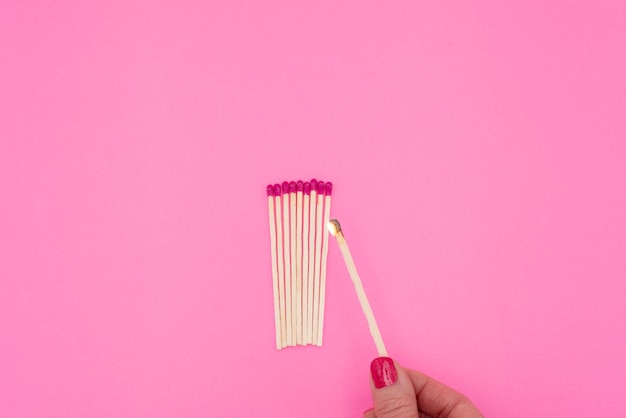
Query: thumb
[(393, 392)]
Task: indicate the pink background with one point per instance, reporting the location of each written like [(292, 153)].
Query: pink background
[(477, 151)]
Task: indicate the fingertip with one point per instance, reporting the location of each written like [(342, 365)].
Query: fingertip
[(392, 391), (369, 413), (383, 372)]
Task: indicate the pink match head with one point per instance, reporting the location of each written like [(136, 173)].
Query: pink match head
[(270, 190), (299, 186), (307, 188), (313, 185), (285, 187), (329, 188), (292, 187), (277, 190), (321, 187)]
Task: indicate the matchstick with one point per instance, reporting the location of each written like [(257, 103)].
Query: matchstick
[(319, 229), (287, 255), (272, 224), (299, 198), (293, 250), (335, 229), (279, 261), (305, 259), (320, 328), (311, 273)]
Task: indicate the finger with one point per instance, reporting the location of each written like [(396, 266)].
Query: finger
[(393, 392), (369, 413), (438, 400)]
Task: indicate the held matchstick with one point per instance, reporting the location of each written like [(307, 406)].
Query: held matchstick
[(335, 230)]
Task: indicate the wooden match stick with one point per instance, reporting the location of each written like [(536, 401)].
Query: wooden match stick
[(280, 267), (272, 220), (305, 259), (293, 252), (287, 256), (320, 328), (299, 197), (311, 273), (319, 212), (335, 229)]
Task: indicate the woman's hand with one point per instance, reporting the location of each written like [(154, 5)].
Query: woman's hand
[(399, 392)]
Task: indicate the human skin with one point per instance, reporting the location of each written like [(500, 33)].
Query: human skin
[(399, 392)]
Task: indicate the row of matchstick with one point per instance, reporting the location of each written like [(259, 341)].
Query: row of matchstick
[(298, 213)]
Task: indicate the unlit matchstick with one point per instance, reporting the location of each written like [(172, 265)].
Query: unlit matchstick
[(335, 229), (319, 230), (272, 223), (328, 189), (281, 270), (305, 259), (287, 255), (311, 272), (293, 252), (299, 197)]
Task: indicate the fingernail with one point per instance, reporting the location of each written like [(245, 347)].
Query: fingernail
[(384, 373)]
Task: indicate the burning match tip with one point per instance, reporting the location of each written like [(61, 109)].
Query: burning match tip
[(333, 227)]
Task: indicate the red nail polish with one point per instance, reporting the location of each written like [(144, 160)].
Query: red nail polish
[(384, 373)]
